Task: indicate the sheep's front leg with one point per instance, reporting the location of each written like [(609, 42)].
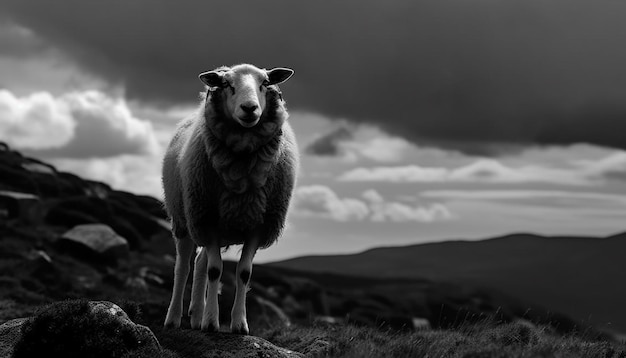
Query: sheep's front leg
[(238, 321), (184, 250), (198, 290), (211, 317)]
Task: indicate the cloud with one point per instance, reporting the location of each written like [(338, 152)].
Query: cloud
[(520, 194), (612, 167), (321, 201), (353, 142), (491, 171), (37, 121), (589, 208), (77, 124), (400, 212), (480, 77), (328, 144), (139, 174)]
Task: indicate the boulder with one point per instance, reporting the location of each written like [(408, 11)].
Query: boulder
[(103, 329), (10, 333), (144, 334), (96, 329), (264, 314), (22, 207), (193, 343), (99, 239)]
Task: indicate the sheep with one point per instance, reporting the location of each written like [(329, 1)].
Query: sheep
[(228, 177)]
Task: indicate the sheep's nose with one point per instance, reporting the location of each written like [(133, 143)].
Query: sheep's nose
[(249, 108)]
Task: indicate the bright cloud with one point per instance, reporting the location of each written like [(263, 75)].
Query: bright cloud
[(379, 148), (351, 142), (77, 124), (133, 173), (493, 171), (37, 121), (400, 212), (321, 201), (610, 167), (520, 194)]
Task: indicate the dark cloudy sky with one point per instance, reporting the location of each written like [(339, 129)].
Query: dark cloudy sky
[(417, 120)]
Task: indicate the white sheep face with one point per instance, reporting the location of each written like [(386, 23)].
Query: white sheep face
[(244, 89)]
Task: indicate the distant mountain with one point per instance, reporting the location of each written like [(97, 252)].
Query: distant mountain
[(584, 277)]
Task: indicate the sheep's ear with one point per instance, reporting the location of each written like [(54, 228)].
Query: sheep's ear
[(212, 78), (279, 75)]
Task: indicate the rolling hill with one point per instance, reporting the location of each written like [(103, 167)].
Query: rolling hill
[(583, 277)]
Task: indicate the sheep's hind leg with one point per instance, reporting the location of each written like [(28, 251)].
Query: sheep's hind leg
[(238, 321), (211, 317), (184, 250), (198, 290)]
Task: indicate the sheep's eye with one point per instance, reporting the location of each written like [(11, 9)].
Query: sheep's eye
[(265, 84)]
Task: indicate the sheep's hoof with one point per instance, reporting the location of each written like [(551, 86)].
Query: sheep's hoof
[(241, 330), (171, 322), (210, 329), (196, 322), (171, 325)]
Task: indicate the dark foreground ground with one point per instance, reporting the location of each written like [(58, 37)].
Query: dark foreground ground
[(317, 314)]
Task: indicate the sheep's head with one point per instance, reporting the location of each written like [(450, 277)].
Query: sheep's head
[(244, 89)]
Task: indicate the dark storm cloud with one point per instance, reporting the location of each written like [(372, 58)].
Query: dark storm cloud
[(328, 144), (468, 75)]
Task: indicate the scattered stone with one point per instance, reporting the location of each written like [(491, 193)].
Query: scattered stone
[(136, 283), (329, 320), (144, 334), (39, 168), (151, 276), (169, 259), (22, 207), (319, 347), (420, 323), (10, 334), (100, 239), (39, 255), (88, 282), (269, 314)]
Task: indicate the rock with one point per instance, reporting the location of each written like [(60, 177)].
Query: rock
[(328, 320), (144, 334), (76, 323), (99, 239), (420, 323), (136, 283), (319, 347), (151, 276), (235, 346), (10, 334), (22, 207), (265, 314), (39, 255), (38, 167), (192, 343)]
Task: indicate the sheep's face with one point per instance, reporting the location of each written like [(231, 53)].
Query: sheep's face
[(244, 89)]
